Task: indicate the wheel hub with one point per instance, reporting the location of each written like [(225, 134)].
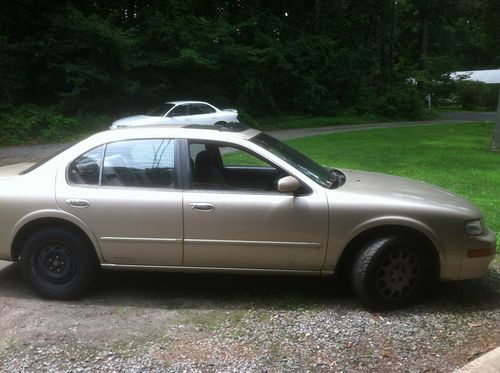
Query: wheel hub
[(56, 263), (398, 274)]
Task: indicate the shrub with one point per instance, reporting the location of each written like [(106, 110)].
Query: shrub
[(401, 101), (32, 123), (473, 94)]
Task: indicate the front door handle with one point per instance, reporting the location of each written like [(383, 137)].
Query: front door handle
[(202, 206), (78, 203)]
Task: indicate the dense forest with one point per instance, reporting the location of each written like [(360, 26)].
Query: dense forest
[(64, 59)]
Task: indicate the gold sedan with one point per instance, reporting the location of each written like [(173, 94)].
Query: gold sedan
[(230, 199)]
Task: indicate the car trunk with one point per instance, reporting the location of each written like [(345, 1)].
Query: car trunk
[(13, 170)]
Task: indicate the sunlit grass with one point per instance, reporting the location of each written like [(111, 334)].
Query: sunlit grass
[(453, 156)]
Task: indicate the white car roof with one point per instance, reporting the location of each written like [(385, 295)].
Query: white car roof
[(186, 102)]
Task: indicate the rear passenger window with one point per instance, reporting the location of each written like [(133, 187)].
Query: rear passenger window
[(85, 170), (140, 163), (196, 109)]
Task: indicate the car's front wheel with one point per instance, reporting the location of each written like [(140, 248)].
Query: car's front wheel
[(58, 263), (388, 272)]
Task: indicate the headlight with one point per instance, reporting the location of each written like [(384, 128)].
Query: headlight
[(474, 227)]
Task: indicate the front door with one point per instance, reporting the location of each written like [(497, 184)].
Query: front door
[(235, 218), (125, 192), (180, 114)]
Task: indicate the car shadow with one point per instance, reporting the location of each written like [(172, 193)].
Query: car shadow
[(199, 291)]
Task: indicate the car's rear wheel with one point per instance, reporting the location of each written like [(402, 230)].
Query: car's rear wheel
[(388, 273), (58, 263), (221, 123)]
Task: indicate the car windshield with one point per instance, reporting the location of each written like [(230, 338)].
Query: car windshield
[(310, 168), (161, 110)]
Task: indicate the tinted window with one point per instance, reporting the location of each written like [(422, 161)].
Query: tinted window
[(179, 111), (86, 168), (232, 157), (161, 110), (310, 168), (140, 163), (221, 167), (200, 109)]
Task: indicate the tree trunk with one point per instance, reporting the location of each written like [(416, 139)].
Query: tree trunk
[(424, 37), (495, 146), (317, 14), (391, 46)]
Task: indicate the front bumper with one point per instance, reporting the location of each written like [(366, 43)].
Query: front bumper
[(476, 266)]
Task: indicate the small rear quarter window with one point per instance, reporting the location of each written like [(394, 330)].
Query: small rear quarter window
[(86, 169)]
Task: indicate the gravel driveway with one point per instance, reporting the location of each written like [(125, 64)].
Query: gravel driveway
[(135, 321)]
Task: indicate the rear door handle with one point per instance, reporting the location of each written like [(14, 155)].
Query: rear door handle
[(78, 203), (202, 206)]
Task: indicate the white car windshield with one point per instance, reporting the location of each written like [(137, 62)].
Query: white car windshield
[(310, 168), (161, 110)]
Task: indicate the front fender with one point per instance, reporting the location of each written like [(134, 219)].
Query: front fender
[(338, 241)]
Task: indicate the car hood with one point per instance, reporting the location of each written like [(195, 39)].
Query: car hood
[(13, 170), (405, 190)]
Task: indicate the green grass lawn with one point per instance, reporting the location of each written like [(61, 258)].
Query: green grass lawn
[(478, 109), (341, 119), (289, 122), (453, 156)]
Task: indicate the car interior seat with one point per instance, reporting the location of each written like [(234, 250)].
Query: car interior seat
[(205, 171)]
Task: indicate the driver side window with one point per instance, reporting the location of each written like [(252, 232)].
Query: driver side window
[(219, 166)]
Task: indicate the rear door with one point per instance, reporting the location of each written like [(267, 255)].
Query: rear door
[(126, 193), (202, 114)]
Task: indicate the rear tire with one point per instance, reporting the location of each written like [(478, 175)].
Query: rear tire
[(58, 263), (221, 123), (388, 272)]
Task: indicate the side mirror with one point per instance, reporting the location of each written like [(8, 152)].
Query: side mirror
[(288, 184)]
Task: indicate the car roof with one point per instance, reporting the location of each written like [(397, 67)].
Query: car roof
[(209, 132), (186, 102)]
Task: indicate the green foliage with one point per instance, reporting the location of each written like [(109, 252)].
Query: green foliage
[(476, 94), (257, 98), (264, 58), (31, 123), (402, 101)]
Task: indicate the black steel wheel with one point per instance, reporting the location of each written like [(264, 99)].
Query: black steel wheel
[(388, 272), (55, 263), (58, 263)]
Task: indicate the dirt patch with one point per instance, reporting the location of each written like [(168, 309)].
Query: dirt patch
[(137, 321)]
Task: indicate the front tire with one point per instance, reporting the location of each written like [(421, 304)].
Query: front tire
[(58, 263), (388, 272)]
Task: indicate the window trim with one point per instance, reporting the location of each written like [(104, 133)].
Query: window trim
[(202, 106), (187, 181), (177, 170), (177, 106), (66, 172)]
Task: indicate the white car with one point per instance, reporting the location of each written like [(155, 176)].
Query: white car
[(180, 112)]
